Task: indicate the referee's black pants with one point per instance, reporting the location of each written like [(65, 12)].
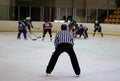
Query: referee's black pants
[(64, 47)]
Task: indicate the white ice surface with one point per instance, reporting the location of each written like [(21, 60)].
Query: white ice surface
[(26, 60)]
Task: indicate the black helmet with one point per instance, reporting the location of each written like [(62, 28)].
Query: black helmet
[(46, 20), (63, 27)]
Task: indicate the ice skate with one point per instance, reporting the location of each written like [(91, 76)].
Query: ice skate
[(77, 75), (50, 38), (42, 39)]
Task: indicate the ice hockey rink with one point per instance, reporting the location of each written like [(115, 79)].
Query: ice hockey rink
[(26, 60)]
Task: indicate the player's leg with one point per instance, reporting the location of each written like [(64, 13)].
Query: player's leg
[(86, 34), (24, 34), (50, 33), (19, 34), (53, 60), (44, 33), (74, 60), (100, 31), (94, 31)]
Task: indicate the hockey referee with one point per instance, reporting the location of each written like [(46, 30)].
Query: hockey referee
[(63, 42)]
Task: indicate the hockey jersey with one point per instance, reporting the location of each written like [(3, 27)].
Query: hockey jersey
[(47, 26), (22, 25)]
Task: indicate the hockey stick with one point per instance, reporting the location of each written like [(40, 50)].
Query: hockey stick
[(32, 33), (35, 35), (34, 39), (31, 37)]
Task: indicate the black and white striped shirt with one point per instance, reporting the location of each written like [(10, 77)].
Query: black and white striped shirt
[(64, 36)]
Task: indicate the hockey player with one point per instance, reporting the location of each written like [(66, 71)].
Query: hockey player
[(82, 31), (29, 23), (71, 26), (22, 28), (47, 27), (74, 30), (63, 42), (97, 27)]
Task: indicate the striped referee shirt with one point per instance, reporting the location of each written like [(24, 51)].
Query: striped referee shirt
[(64, 36)]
